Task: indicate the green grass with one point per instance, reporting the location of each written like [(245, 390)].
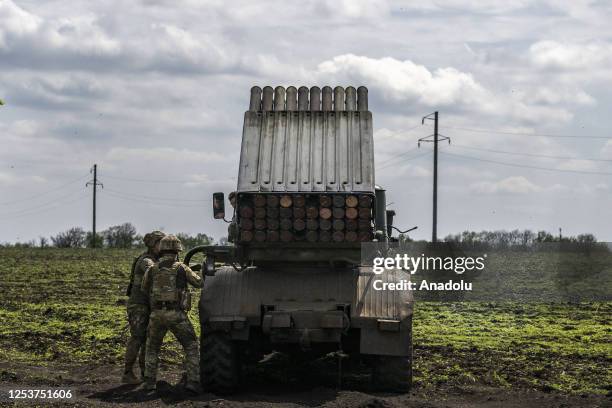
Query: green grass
[(63, 306), (544, 346), (67, 306)]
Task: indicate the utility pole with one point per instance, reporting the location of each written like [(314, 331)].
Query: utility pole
[(95, 184), (436, 138)]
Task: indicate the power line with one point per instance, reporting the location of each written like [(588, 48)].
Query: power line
[(528, 166), (503, 132), (137, 180), (41, 205), (153, 197), (395, 156), (138, 200), (402, 154), (44, 192), (406, 159), (45, 209), (529, 154), (400, 132)]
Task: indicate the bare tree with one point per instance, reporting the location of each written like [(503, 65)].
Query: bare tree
[(73, 238), (120, 236)]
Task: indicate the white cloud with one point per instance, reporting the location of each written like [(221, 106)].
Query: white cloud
[(467, 6), (81, 42), (176, 48), (13, 179), (15, 22), (197, 180), (558, 188), (548, 95), (579, 165), (80, 35), (152, 84), (406, 81), (7, 179), (405, 85), (570, 56), (23, 128), (162, 155), (410, 170), (351, 9), (509, 185), (470, 173), (591, 189), (606, 150)]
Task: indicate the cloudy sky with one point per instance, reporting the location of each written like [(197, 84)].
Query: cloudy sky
[(154, 93)]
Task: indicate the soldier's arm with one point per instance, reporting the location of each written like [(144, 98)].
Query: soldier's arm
[(193, 278), (146, 263), (146, 279)]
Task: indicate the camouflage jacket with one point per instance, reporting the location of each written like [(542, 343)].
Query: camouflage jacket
[(136, 293), (160, 279)]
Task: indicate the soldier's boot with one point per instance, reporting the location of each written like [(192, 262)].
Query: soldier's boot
[(192, 387), (131, 354), (149, 384), (129, 378)]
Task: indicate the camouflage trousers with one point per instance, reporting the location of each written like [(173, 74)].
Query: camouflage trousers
[(178, 323), (138, 319)]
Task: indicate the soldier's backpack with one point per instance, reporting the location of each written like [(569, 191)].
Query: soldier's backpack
[(183, 290), (170, 285)]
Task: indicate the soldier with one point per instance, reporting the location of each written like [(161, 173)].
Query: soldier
[(166, 283), (232, 229), (138, 308), (232, 199)]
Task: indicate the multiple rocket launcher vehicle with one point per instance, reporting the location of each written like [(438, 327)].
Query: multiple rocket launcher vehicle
[(294, 279)]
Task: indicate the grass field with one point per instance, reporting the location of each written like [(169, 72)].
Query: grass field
[(66, 306)]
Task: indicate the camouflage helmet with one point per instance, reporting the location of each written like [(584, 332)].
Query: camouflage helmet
[(170, 243), (232, 198), (151, 238)]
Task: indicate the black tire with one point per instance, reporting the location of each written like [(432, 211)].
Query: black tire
[(219, 363), (393, 374)]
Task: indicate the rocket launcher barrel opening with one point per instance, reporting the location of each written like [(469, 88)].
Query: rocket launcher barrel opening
[(283, 218)]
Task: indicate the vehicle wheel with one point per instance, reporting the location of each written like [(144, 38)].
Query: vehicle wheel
[(219, 363), (392, 373)]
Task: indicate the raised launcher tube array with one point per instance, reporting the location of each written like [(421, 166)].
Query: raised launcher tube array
[(314, 99), (306, 167)]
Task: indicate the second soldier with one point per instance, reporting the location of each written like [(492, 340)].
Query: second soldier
[(166, 283)]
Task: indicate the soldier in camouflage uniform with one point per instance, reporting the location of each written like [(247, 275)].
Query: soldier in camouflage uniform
[(138, 308), (166, 283)]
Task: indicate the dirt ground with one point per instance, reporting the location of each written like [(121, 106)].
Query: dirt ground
[(99, 386)]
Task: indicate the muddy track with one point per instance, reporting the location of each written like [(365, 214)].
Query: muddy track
[(99, 386)]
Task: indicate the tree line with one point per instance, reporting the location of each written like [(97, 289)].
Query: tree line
[(118, 236), (126, 236), (515, 239)]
